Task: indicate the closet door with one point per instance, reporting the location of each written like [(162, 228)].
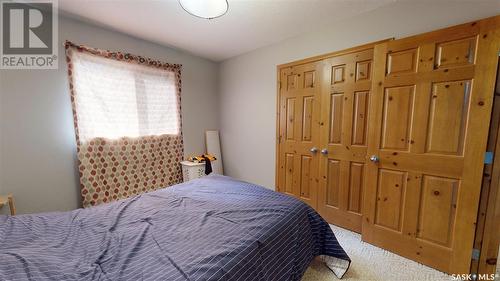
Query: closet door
[(430, 111), (344, 114), (299, 110)]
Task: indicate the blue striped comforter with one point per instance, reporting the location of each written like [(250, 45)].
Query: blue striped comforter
[(213, 228)]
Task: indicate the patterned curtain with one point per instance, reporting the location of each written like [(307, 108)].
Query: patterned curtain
[(127, 118)]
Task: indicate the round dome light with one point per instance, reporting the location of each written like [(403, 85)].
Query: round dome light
[(207, 9)]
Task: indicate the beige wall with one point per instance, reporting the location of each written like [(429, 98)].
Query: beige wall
[(37, 142), (247, 83)]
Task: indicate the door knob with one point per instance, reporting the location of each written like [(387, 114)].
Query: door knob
[(374, 158), (313, 150), (324, 151)]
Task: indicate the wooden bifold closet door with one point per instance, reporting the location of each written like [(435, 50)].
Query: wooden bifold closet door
[(299, 110), (343, 137), (430, 110), (323, 112), (388, 139)]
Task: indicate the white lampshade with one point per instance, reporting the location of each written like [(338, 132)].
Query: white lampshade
[(207, 9)]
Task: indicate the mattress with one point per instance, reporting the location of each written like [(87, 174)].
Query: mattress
[(212, 228)]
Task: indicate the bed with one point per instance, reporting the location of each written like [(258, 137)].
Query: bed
[(212, 228)]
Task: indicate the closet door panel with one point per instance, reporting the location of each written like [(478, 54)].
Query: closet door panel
[(397, 117), (449, 107), (390, 192), (356, 181), (335, 117), (430, 109), (360, 114), (299, 109), (344, 130)]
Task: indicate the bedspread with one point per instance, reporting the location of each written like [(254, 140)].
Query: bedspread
[(212, 228)]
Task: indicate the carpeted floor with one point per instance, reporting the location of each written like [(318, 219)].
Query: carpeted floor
[(370, 263)]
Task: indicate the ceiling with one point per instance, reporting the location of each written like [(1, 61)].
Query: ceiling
[(248, 25)]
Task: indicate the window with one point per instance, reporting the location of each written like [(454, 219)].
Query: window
[(120, 99), (127, 122)]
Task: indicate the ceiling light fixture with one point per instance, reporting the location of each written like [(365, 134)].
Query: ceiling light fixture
[(207, 9)]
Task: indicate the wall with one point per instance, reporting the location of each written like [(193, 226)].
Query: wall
[(1, 130), (37, 145), (37, 142), (248, 82)]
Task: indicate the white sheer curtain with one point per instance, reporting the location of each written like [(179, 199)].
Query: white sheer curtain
[(126, 111), (120, 99)]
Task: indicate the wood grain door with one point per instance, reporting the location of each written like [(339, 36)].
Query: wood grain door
[(344, 114), (299, 109), (430, 111)]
